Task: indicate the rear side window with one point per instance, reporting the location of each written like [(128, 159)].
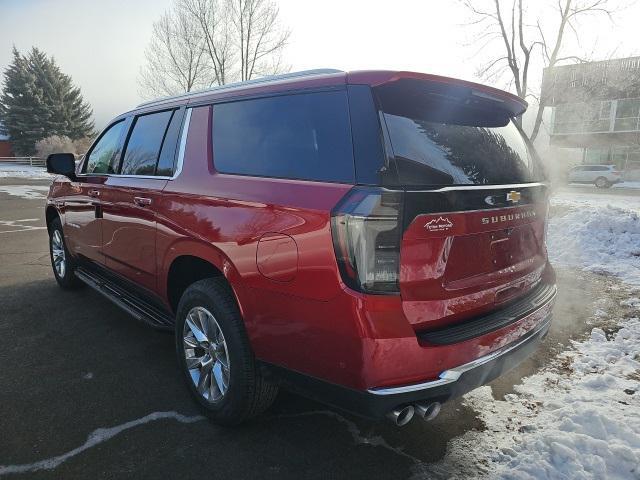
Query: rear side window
[(166, 162), (145, 141), (302, 136), (445, 136), (104, 156)]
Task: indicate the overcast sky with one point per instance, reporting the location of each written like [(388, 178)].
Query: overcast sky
[(101, 43)]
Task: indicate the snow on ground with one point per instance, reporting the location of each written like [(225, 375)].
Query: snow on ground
[(23, 171), (623, 185), (599, 233), (579, 418), (626, 184), (28, 192)]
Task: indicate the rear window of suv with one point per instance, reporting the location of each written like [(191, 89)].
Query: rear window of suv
[(300, 136), (440, 137)]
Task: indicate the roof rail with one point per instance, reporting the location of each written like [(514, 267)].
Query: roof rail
[(229, 86)]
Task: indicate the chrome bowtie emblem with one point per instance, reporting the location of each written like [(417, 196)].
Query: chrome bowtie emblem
[(513, 196)]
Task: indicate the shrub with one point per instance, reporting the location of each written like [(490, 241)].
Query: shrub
[(62, 144)]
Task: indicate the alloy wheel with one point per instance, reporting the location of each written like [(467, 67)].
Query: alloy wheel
[(206, 355), (57, 252)]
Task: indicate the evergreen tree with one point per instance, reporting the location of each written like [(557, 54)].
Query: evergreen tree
[(17, 105), (38, 101)]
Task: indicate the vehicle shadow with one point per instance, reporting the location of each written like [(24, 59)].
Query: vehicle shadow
[(73, 362)]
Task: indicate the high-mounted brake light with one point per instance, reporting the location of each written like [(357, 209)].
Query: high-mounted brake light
[(366, 230)]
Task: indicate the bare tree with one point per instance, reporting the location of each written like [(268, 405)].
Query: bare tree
[(212, 42), (259, 37), (212, 19), (525, 39), (176, 56)]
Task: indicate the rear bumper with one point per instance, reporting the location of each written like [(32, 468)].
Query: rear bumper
[(502, 341), (452, 383), (457, 381)]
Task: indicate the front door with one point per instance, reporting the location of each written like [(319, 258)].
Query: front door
[(129, 228), (83, 206), (130, 198)]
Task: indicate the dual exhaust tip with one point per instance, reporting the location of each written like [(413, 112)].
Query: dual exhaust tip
[(403, 415)]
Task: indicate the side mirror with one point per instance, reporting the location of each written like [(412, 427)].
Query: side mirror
[(62, 164)]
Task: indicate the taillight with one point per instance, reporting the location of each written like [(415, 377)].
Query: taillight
[(614, 172), (366, 228)]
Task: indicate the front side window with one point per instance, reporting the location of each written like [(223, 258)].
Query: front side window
[(145, 142), (104, 154), (302, 136)]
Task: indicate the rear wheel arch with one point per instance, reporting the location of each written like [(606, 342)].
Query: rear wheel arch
[(186, 269)]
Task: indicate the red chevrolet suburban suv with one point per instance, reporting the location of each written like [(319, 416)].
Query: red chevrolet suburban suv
[(374, 239)]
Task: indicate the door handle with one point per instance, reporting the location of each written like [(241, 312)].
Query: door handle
[(94, 193), (142, 201)]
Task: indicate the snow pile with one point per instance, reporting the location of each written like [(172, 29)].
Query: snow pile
[(588, 425), (580, 419), (627, 184), (23, 171), (601, 235)]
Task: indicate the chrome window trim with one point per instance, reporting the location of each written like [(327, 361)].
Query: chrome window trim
[(483, 187), (179, 162), (183, 143), (115, 175), (453, 374)]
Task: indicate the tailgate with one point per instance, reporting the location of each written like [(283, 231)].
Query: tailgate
[(468, 250)]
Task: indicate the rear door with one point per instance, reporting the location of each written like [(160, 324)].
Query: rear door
[(129, 215), (474, 207), (83, 208)]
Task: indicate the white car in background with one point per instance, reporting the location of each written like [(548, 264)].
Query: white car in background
[(602, 176)]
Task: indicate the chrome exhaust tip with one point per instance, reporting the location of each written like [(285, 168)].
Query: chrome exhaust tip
[(401, 416), (428, 411)]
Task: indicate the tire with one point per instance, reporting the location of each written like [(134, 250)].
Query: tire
[(602, 182), (222, 349), (62, 263)]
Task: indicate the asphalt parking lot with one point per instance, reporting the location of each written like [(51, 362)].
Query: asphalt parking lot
[(85, 391)]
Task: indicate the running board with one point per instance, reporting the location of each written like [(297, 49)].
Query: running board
[(134, 306)]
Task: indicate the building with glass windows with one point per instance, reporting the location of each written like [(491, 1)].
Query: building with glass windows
[(596, 108)]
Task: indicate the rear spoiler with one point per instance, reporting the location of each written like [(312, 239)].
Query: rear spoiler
[(512, 104)]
